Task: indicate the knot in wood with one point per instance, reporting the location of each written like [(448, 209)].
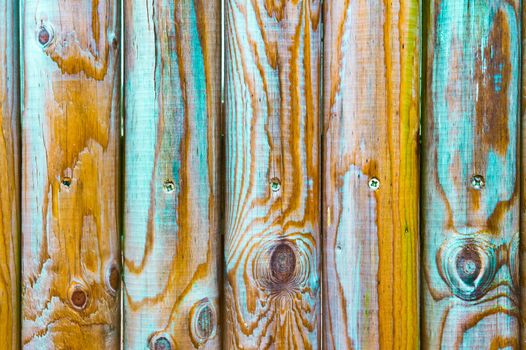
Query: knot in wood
[(45, 35), (203, 321), (282, 263), (78, 297), (161, 342), (113, 279), (468, 266)]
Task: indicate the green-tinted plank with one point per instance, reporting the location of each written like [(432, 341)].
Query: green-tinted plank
[(470, 175), (171, 185)]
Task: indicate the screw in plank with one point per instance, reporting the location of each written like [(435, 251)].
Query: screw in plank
[(275, 184), (477, 182), (66, 181), (169, 186), (374, 184)]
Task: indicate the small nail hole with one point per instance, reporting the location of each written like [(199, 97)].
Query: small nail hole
[(275, 184), (374, 184)]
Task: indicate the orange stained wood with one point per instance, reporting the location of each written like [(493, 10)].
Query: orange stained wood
[(171, 182), (272, 188), (9, 178), (70, 175), (370, 174)]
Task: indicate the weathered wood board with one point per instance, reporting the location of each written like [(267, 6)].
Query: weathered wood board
[(171, 185), (370, 174), (470, 175), (70, 174), (9, 177), (272, 180), (521, 263)]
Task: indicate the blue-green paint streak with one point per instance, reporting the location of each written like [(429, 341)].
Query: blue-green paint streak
[(471, 128)]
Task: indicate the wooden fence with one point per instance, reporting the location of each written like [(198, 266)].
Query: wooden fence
[(264, 174)]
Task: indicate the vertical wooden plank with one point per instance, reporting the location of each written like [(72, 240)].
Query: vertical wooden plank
[(471, 175), (521, 262), (70, 161), (370, 174), (172, 99), (9, 178), (272, 213)]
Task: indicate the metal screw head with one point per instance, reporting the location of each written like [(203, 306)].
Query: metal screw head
[(169, 186), (374, 184), (275, 184), (477, 182)]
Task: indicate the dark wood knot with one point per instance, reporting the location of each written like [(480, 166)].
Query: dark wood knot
[(78, 296), (113, 279), (468, 265), (203, 321), (45, 35), (161, 342), (282, 263)]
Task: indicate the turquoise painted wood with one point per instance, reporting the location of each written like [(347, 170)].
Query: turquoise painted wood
[(470, 207), (171, 180)]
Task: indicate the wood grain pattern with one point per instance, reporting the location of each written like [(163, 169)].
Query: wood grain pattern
[(9, 178), (471, 175), (172, 99), (70, 161), (522, 238), (370, 174), (272, 213)]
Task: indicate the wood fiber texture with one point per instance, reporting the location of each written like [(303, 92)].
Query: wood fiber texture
[(70, 174), (9, 178), (272, 181), (470, 207), (370, 174), (171, 187)]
